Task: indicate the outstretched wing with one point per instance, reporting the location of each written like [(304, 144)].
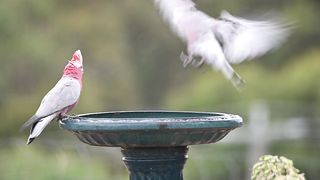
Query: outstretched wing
[(244, 39), (65, 93)]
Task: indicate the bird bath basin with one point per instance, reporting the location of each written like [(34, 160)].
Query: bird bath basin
[(153, 143)]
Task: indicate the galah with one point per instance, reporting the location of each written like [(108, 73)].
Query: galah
[(60, 99), (221, 41)]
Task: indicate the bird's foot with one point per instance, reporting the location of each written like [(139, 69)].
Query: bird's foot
[(63, 116), (186, 60), (66, 116), (197, 63)]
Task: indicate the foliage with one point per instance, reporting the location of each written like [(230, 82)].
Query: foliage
[(275, 168), (216, 161)]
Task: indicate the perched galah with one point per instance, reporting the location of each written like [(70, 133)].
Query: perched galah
[(60, 99), (220, 41)]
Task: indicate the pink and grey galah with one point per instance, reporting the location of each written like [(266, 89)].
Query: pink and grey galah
[(219, 42), (60, 99)]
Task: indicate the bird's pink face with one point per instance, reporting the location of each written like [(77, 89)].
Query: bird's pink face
[(74, 68)]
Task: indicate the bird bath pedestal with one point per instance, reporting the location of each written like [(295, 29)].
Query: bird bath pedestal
[(153, 143)]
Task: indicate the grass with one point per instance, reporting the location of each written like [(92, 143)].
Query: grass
[(26, 162)]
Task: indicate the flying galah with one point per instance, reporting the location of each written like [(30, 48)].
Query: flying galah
[(60, 99), (220, 41)]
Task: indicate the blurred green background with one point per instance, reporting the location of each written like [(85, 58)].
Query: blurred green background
[(131, 62)]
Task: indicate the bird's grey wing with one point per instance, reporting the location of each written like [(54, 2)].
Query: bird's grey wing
[(244, 39), (28, 123), (65, 93)]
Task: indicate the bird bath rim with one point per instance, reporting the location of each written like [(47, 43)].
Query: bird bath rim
[(132, 129), (149, 120)]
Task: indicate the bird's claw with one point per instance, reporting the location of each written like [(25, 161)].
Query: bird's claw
[(65, 116), (186, 60), (197, 63)]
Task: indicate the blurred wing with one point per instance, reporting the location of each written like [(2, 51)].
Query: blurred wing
[(244, 39), (65, 93)]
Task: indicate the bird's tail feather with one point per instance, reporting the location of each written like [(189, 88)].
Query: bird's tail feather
[(233, 76), (30, 140), (237, 81), (39, 126)]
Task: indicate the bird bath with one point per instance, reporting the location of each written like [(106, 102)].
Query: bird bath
[(153, 143)]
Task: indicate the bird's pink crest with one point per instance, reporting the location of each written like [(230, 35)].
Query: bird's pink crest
[(74, 67), (77, 57)]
